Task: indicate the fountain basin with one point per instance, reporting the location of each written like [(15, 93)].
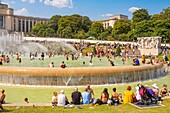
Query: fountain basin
[(79, 75)]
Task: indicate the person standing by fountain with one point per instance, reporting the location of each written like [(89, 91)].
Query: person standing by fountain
[(42, 56), (1, 60), (7, 59), (63, 65), (51, 64), (17, 56), (143, 59)]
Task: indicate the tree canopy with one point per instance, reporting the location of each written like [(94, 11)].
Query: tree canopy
[(140, 15), (76, 26)]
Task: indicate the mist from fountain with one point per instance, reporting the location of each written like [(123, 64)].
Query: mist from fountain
[(14, 43), (60, 47)]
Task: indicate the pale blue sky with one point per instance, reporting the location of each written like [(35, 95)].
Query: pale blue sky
[(94, 9)]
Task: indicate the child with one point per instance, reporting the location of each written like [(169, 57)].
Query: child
[(26, 100)]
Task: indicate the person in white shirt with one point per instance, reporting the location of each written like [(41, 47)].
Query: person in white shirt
[(62, 99), (138, 96)]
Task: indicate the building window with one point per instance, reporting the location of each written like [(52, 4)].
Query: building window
[(23, 26), (1, 22), (30, 24), (26, 26), (19, 25), (14, 25)]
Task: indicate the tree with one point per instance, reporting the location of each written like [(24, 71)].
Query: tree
[(67, 32), (53, 22), (75, 22), (156, 17), (49, 32), (165, 14), (162, 29), (121, 27), (140, 15), (81, 35), (86, 23), (144, 28), (96, 29), (39, 29)]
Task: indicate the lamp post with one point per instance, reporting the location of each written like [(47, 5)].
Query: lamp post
[(133, 37)]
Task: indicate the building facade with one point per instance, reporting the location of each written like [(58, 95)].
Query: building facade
[(16, 23), (111, 21)]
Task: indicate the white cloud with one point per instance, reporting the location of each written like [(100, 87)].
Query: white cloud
[(5, 3), (59, 3), (107, 14), (12, 2), (133, 9), (40, 0), (29, 1), (22, 11)]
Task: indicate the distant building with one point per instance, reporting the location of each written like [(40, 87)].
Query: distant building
[(16, 23), (110, 21)]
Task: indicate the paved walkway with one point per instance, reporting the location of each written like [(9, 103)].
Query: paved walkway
[(43, 104), (25, 104)]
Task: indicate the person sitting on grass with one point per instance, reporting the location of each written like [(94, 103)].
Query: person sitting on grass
[(2, 96), (62, 99), (1, 107), (104, 97), (90, 90), (128, 95), (26, 100), (76, 96), (115, 96), (164, 90), (86, 97), (54, 99)]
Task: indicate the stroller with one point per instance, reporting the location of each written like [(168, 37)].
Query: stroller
[(147, 95)]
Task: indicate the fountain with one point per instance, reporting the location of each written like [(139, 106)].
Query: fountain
[(68, 76), (12, 43)]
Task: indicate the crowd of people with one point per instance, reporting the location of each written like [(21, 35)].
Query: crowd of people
[(143, 93), (99, 50)]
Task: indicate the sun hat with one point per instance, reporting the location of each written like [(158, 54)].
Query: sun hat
[(154, 85), (62, 91)]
